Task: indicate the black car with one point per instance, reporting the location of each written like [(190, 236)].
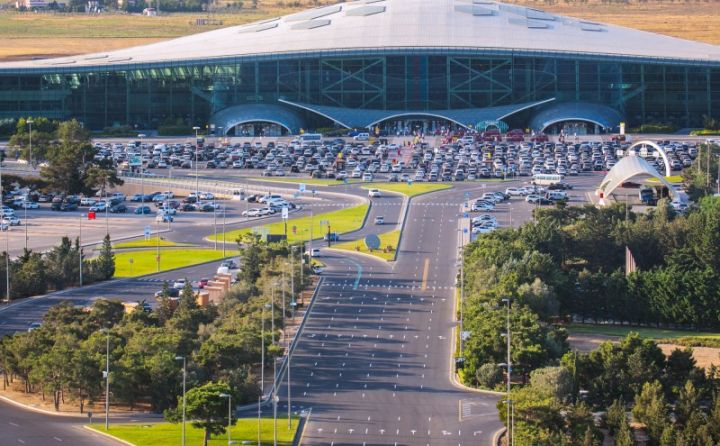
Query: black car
[(207, 208), (187, 207), (68, 207), (172, 292), (211, 165), (118, 209)]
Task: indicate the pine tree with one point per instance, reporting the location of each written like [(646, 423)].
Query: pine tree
[(615, 416), (165, 308), (106, 260), (187, 297), (624, 436)]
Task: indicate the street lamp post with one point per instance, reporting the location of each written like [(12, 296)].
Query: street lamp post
[(197, 179), (509, 367), (215, 226), (157, 244), (223, 231), (80, 254), (184, 362), (107, 377), (7, 245), (229, 398), (26, 222), (30, 123)]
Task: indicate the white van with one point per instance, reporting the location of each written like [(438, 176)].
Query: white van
[(556, 195), (361, 137)]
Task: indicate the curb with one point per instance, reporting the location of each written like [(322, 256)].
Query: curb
[(106, 435), (42, 411), (497, 436), (369, 256), (298, 440)]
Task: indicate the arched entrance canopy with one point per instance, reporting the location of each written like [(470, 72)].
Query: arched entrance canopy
[(601, 115), (367, 118), (668, 171), (633, 168), (247, 113)]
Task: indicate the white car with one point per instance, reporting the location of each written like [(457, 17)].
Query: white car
[(179, 284), (482, 207), (251, 213), (11, 220), (374, 193), (315, 252), (379, 220), (367, 176), (87, 201), (31, 205), (514, 191)]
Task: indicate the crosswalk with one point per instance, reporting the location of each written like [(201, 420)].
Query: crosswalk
[(412, 286)]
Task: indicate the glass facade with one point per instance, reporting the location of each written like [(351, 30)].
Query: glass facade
[(652, 91)]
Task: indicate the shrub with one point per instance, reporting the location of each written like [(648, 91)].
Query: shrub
[(489, 375)]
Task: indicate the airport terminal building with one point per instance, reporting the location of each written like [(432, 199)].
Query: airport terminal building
[(388, 64)]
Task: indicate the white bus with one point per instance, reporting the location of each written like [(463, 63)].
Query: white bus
[(310, 137), (546, 179)]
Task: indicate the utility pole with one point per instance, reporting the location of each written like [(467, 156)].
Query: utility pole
[(30, 123), (7, 245), (223, 231), (197, 178)]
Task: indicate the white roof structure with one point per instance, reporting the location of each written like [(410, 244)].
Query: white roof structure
[(633, 168), (369, 25)]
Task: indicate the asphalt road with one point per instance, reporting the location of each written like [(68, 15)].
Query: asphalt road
[(374, 361)]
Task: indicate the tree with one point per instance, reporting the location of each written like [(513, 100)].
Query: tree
[(102, 176), (106, 260), (651, 410), (687, 403), (624, 435), (556, 382), (165, 308), (489, 375), (205, 407), (615, 416), (187, 298), (28, 275)]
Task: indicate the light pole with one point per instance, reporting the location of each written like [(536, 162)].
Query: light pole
[(26, 222), (184, 362), (157, 245), (223, 231), (215, 226), (107, 377), (142, 172), (30, 123), (262, 350), (7, 245), (80, 255), (289, 400), (197, 179), (509, 367), (229, 398)]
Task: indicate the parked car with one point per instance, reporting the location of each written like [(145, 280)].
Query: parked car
[(142, 210), (118, 209)]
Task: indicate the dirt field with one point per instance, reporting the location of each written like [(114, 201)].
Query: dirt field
[(28, 35), (585, 343)]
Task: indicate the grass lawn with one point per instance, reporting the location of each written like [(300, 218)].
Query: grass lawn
[(168, 434), (342, 221), (386, 239), (407, 189), (151, 242), (144, 262), (653, 333), (308, 181)]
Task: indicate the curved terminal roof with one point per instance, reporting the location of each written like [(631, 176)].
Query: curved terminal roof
[(599, 114), (369, 26), (633, 168)]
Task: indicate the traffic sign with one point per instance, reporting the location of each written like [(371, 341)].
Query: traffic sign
[(467, 194), (294, 229), (147, 230), (323, 222), (301, 188), (91, 215), (372, 241), (285, 213)]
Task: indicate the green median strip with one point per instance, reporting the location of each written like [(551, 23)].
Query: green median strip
[(245, 431), (341, 221), (138, 263), (307, 181), (150, 242), (388, 246), (411, 190)]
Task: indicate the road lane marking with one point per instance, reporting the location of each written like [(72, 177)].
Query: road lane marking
[(426, 269)]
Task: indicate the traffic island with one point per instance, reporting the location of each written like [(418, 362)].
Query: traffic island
[(245, 431)]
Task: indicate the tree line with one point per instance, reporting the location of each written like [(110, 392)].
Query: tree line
[(64, 358), (33, 273), (568, 265)]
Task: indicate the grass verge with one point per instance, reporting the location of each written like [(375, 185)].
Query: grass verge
[(144, 262), (167, 434), (342, 221), (411, 190), (388, 246), (308, 181), (147, 243), (646, 332)]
